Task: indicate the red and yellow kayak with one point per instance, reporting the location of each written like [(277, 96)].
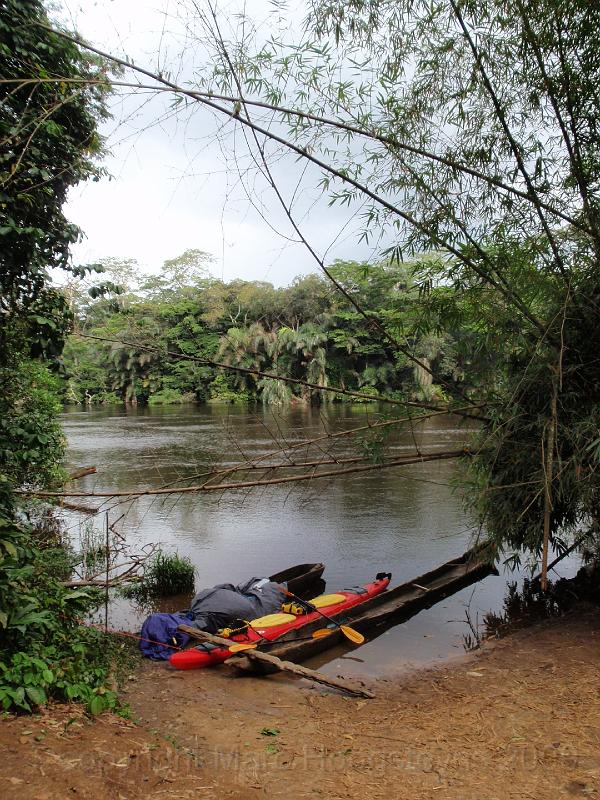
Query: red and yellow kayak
[(275, 626)]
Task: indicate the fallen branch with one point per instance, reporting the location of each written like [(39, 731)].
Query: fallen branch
[(78, 507), (256, 462), (81, 473), (277, 663), (112, 583), (268, 482)]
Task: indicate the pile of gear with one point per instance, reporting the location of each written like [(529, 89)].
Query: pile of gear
[(224, 609)]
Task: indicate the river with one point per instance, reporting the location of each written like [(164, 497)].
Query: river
[(405, 521)]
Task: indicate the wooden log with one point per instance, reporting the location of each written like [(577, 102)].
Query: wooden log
[(81, 473), (83, 509), (390, 607), (277, 663), (118, 581)]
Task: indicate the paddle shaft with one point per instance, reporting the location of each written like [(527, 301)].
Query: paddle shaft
[(306, 604)]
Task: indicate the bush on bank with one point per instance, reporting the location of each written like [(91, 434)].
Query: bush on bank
[(46, 652)]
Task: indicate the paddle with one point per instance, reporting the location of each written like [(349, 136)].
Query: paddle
[(239, 647), (348, 632), (321, 633)]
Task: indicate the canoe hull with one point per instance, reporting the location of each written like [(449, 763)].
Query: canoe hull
[(392, 607), (301, 579)]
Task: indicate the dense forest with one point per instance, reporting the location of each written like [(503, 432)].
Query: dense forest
[(309, 330)]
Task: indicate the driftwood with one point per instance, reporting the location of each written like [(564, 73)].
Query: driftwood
[(278, 664), (83, 509), (112, 582), (74, 476), (81, 473)]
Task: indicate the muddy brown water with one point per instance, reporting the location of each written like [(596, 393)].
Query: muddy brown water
[(405, 521)]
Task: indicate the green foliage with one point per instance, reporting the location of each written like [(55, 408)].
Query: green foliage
[(221, 391), (167, 396), (303, 331), (31, 440), (45, 651), (50, 143), (165, 575)]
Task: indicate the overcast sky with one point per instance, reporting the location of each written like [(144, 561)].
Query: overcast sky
[(176, 183)]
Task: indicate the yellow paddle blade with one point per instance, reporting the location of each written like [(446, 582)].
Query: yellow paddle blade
[(241, 646), (351, 634), (322, 632)]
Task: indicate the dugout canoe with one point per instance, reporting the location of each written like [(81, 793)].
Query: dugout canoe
[(384, 610), (300, 579)]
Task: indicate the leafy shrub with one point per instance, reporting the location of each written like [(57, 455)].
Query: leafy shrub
[(166, 397), (221, 392), (31, 439), (44, 650), (106, 398)]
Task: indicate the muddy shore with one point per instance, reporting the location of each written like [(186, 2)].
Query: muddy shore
[(518, 719)]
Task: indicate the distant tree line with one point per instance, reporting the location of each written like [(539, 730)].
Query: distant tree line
[(308, 330)]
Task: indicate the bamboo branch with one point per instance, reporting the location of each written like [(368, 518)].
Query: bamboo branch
[(372, 134), (269, 482), (516, 150), (548, 469)]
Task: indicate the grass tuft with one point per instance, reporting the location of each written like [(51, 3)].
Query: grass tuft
[(165, 575)]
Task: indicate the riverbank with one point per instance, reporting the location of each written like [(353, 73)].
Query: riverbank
[(520, 718)]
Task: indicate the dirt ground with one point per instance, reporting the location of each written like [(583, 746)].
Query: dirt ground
[(518, 719)]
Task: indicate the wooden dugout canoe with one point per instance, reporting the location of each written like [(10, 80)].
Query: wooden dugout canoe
[(300, 579), (391, 607)]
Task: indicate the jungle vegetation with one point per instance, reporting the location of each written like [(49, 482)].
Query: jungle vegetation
[(467, 130), (50, 142), (307, 330)]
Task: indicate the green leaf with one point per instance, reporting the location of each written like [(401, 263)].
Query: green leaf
[(36, 694), (97, 705), (9, 547)]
